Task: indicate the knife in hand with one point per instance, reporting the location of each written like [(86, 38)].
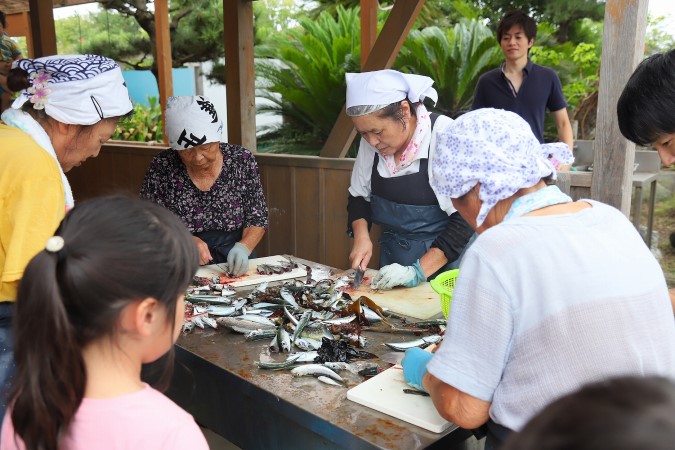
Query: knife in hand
[(358, 277)]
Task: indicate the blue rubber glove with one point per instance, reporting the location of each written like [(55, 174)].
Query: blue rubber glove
[(398, 275), (415, 366), (237, 259)]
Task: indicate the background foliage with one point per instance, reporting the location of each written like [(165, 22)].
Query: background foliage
[(304, 48)]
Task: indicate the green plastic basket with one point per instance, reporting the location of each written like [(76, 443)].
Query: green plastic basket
[(444, 284)]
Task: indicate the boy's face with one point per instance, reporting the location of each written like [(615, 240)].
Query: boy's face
[(5, 66), (665, 145), (515, 44)]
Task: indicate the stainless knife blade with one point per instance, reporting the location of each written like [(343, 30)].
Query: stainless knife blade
[(358, 277)]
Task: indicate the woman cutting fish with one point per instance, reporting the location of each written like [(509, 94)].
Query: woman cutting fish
[(423, 233), (214, 187)]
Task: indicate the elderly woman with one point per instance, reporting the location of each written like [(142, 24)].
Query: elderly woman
[(212, 186), (67, 107), (553, 294), (423, 233)]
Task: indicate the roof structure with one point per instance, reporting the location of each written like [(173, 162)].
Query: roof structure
[(18, 6)]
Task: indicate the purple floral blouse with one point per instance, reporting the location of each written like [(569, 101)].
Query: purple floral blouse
[(235, 201)]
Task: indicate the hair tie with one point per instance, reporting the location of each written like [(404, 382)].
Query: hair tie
[(54, 244)]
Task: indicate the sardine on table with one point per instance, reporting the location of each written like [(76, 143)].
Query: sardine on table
[(423, 342), (315, 370)]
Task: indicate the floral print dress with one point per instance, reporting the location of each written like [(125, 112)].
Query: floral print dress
[(234, 202)]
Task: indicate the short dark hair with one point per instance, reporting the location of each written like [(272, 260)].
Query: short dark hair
[(622, 413), (3, 19), (646, 107), (513, 18)]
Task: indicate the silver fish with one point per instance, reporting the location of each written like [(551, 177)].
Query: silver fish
[(290, 316), (221, 310), (327, 380), (284, 339), (274, 345), (262, 287), (339, 366), (315, 370), (302, 323), (288, 298), (216, 299), (307, 344), (306, 356), (254, 335), (423, 342), (242, 326), (256, 318), (197, 320), (227, 291), (371, 315), (188, 327), (278, 365), (339, 321), (209, 321)]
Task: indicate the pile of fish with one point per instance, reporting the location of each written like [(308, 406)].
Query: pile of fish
[(316, 323)]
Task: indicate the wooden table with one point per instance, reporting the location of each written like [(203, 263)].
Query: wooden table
[(217, 381)]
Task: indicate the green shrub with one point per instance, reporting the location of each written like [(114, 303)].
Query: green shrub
[(144, 124)]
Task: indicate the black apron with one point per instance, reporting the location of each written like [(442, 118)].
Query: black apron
[(220, 243), (408, 210)]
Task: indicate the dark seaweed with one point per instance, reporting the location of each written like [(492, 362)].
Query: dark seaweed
[(339, 351)]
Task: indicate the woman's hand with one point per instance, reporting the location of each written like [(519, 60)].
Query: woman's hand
[(362, 251), (203, 249), (237, 259)]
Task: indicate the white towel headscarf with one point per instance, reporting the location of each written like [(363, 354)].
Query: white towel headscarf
[(75, 89), (495, 148), (192, 121), (383, 87)]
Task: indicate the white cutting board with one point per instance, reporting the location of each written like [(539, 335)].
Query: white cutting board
[(252, 276), (420, 302), (384, 393)]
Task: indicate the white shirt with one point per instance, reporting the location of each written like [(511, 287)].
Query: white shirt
[(545, 304)]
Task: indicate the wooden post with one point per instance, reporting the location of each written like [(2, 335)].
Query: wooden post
[(239, 72), (382, 56), (164, 60), (18, 24), (623, 42), (368, 28), (42, 28)]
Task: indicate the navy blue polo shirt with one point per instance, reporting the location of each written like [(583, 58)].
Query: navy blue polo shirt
[(541, 89)]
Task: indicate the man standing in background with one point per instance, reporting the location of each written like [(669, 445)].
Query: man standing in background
[(520, 86)]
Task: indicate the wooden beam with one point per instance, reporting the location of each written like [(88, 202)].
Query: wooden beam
[(623, 42), (382, 56), (42, 28), (164, 60), (18, 24), (239, 72), (368, 28)]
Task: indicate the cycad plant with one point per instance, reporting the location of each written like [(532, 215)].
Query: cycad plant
[(303, 76), (454, 59)]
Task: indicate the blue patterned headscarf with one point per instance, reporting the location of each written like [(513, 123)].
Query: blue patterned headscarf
[(75, 89), (495, 148)]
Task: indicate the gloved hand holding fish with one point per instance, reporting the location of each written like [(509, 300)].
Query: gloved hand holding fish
[(397, 275), (237, 259), (415, 366)]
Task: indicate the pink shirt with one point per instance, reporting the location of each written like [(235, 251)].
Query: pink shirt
[(145, 419)]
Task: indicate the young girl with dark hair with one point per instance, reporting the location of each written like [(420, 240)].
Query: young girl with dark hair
[(104, 297)]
